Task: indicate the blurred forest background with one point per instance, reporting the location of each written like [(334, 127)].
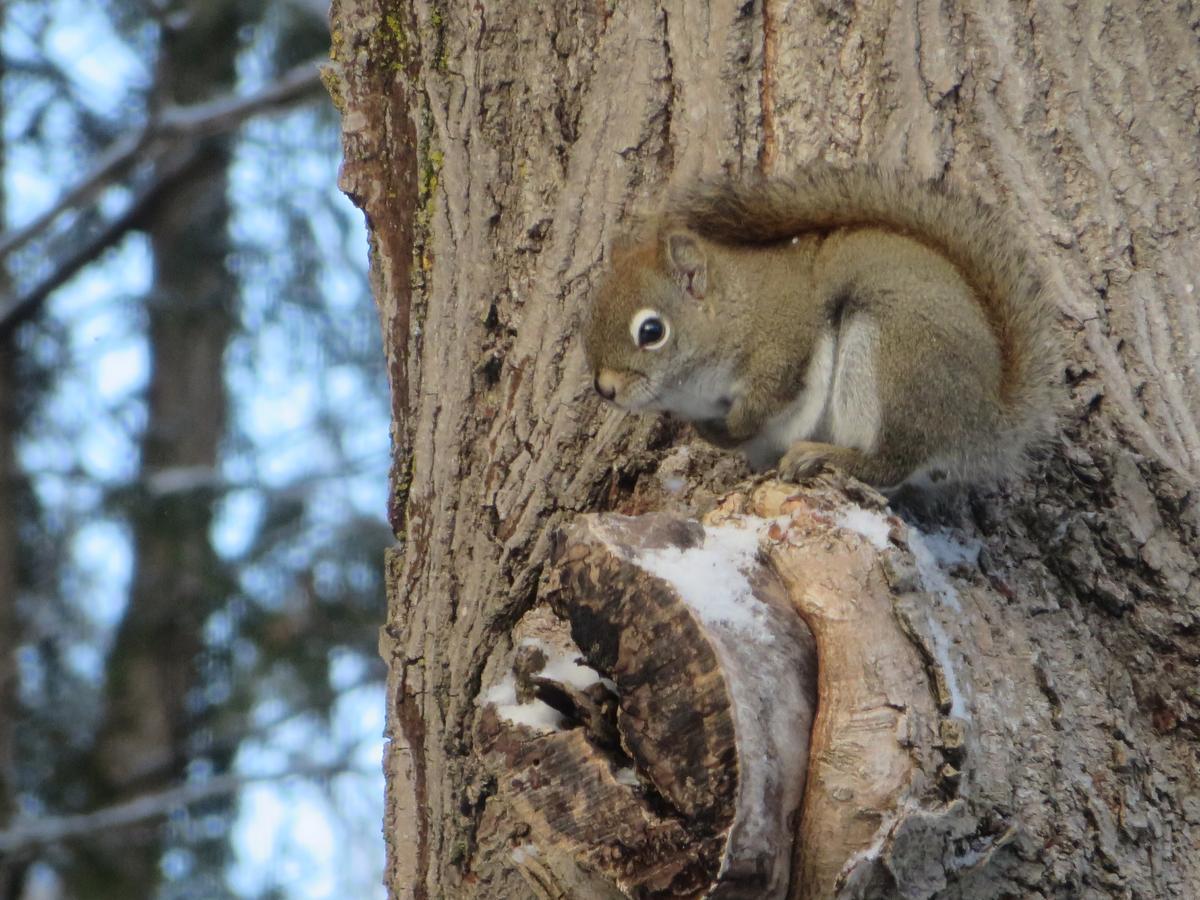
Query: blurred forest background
[(193, 455)]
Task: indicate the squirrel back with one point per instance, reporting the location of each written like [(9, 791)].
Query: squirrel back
[(976, 238)]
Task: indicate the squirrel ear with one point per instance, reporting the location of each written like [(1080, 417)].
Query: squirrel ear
[(688, 264)]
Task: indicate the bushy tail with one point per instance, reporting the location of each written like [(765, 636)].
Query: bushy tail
[(976, 238)]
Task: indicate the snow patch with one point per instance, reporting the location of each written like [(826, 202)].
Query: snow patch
[(522, 852), (866, 522), (673, 484), (872, 850), (930, 553), (767, 697), (535, 714), (565, 668), (950, 551), (627, 776), (941, 651), (711, 578)]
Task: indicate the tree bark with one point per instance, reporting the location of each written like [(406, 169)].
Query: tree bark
[(496, 149)]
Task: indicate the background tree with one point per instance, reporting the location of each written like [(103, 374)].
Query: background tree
[(495, 150), (190, 400), (10, 483)]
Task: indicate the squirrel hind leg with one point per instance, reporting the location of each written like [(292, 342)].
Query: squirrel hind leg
[(806, 458)]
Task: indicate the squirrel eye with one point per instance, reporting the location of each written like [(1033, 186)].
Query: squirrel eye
[(649, 329)]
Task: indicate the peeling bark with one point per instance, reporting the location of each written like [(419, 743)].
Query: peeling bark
[(495, 149)]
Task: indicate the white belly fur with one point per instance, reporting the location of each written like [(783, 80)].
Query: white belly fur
[(839, 403), (854, 415)]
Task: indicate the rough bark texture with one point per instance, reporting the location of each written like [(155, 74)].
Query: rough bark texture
[(496, 147)]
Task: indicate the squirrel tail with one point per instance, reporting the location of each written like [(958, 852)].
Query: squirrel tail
[(976, 238)]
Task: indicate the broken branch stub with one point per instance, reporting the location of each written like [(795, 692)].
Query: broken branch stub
[(693, 785), (685, 774), (716, 676), (876, 717)]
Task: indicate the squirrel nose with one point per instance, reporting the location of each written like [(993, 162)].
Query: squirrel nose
[(604, 386)]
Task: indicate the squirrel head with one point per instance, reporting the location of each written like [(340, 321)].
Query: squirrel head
[(646, 336)]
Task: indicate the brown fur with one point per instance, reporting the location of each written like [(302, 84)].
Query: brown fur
[(965, 361)]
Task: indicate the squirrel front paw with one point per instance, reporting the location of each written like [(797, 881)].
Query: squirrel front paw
[(806, 458)]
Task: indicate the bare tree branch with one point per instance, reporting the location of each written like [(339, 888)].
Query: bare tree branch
[(111, 165), (226, 113), (22, 307), (172, 125), (149, 806)]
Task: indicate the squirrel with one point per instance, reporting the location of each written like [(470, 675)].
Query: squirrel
[(855, 317)]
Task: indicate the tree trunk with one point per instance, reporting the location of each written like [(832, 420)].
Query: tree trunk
[(495, 150), (11, 871), (13, 498), (151, 711)]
